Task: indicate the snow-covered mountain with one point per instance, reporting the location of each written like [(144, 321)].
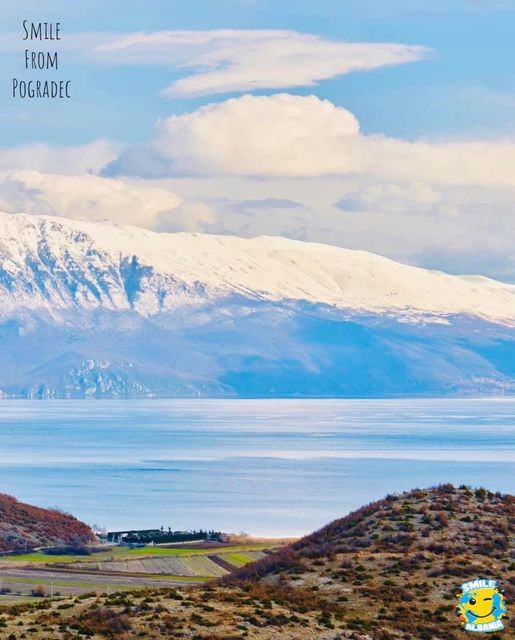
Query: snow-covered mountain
[(57, 264), (97, 309)]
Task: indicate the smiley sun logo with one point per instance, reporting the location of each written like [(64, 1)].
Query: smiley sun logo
[(481, 606)]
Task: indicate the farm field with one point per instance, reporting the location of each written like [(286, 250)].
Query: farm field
[(120, 568), (202, 565), (126, 553)]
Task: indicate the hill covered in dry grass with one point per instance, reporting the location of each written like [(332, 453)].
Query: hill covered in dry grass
[(389, 571), (23, 526)]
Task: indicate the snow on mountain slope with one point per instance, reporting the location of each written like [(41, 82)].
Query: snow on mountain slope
[(57, 264)]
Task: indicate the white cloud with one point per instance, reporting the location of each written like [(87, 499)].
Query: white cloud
[(399, 197), (479, 163), (277, 135), (87, 158), (86, 197), (230, 60), (294, 136), (189, 216)]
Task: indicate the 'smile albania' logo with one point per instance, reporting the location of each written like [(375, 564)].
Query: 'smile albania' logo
[(482, 606)]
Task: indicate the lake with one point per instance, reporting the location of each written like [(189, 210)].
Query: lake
[(266, 467)]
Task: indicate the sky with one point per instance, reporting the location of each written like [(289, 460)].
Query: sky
[(382, 126)]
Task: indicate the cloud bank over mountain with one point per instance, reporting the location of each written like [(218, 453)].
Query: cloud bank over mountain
[(226, 166), (86, 197), (283, 135)]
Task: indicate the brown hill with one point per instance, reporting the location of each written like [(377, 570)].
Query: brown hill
[(25, 527), (389, 571), (460, 530), (397, 564)]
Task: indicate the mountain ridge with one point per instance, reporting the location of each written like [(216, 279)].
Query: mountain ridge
[(56, 263), (92, 310)]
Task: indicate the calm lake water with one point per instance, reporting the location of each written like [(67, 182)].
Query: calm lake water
[(278, 467)]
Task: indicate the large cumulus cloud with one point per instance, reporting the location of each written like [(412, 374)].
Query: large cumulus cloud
[(285, 135)]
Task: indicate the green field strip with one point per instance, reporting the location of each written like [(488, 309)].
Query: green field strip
[(120, 553), (236, 559)]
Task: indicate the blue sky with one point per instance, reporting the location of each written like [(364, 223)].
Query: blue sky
[(424, 177), (456, 91)]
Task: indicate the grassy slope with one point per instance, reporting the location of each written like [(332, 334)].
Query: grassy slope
[(388, 571)]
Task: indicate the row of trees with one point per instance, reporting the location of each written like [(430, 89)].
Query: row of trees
[(168, 537)]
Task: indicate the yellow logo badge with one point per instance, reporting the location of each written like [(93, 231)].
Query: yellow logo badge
[(481, 606)]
